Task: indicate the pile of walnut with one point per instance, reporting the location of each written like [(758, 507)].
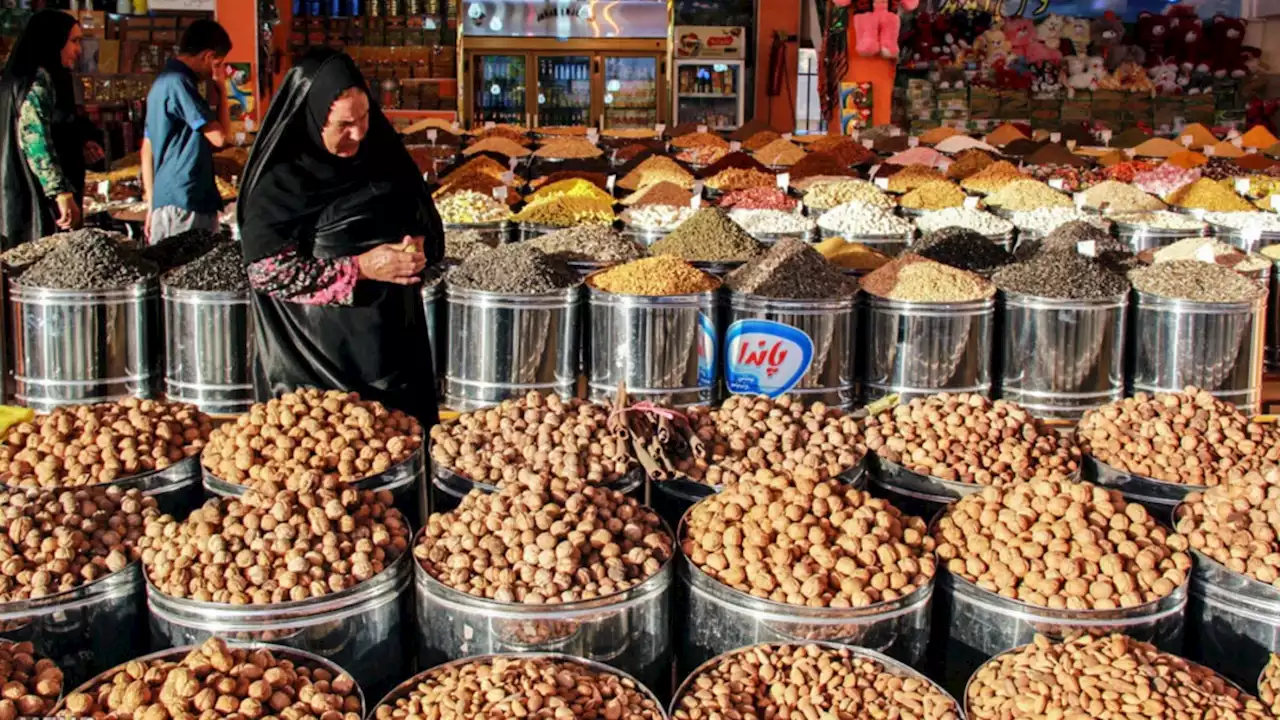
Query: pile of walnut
[(303, 437), (96, 444), (31, 687), (215, 681), (1237, 525)]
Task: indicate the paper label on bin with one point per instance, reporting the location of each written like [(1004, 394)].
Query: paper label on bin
[(500, 193), (659, 129), (1242, 186), (1106, 137), (1205, 253), (104, 189), (593, 136), (1275, 202), (1055, 183), (1130, 152), (698, 185), (1080, 200), (895, 131), (1055, 137), (1088, 248), (1210, 151), (1187, 140), (1238, 142), (432, 135), (695, 202), (1251, 235), (971, 202), (702, 129), (913, 142), (512, 163), (868, 143), (763, 357), (508, 178), (735, 146), (1071, 145), (489, 125), (706, 350), (610, 182), (784, 180), (882, 183)]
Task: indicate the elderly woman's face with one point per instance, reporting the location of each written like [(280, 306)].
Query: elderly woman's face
[(348, 123)]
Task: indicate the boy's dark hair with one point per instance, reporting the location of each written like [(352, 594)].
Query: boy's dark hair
[(205, 35)]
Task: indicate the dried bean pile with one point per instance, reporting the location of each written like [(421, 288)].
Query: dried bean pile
[(777, 681), (32, 686), (217, 681), (516, 269), (1062, 545), (965, 437), (1111, 677), (1237, 525), (544, 541), (1269, 685), (815, 544), (569, 439), (1188, 438), (264, 548)]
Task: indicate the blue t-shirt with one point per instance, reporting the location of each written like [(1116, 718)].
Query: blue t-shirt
[(183, 158)]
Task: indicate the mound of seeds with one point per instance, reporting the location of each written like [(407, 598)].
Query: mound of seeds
[(964, 249), (1062, 545), (1027, 195), (1237, 525), (219, 270), (516, 269), (792, 270), (589, 244), (1043, 221), (58, 541), (777, 681), (1196, 281), (81, 445), (1111, 677), (1061, 274), (965, 437), (545, 434), (709, 236), (459, 244), (544, 541), (23, 256), (87, 261), (1269, 686), (833, 193), (816, 544), (912, 278), (178, 250), (784, 436), (653, 276), (973, 219), (1189, 438), (31, 687), (1117, 196), (513, 686), (300, 438), (215, 680), (271, 548)]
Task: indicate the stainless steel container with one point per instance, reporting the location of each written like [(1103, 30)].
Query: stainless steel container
[(209, 349), (913, 493), (664, 348), (1214, 346), (800, 347), (76, 347), (890, 665), (404, 689), (1249, 241), (85, 630), (975, 625), (503, 346), (1060, 358), (717, 619), (630, 631), (1233, 621), (176, 489), (1157, 496), (773, 238), (447, 488), (642, 236), (920, 348), (492, 234), (437, 313), (1144, 237), (361, 628), (298, 657), (891, 245), (529, 231)]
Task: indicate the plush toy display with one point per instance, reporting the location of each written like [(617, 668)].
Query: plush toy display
[(1108, 41), (1226, 40), (1152, 36), (992, 46), (1187, 42), (1046, 78), (1164, 77), (876, 25), (1082, 73), (970, 25), (1076, 32), (1049, 32)]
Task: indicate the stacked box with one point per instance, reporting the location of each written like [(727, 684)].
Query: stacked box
[(1015, 105)]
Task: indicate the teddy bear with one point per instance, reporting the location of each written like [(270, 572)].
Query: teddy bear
[(1164, 77), (876, 25), (1021, 33), (1049, 31), (1046, 78), (1076, 32), (1226, 38), (1152, 35), (1080, 73), (1108, 33), (992, 45), (1186, 39)]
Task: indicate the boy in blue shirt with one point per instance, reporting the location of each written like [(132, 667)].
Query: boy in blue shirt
[(181, 134)]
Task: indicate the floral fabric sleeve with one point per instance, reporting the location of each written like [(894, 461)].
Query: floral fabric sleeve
[(305, 280), (35, 140)]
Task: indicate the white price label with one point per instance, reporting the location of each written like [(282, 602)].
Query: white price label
[(971, 202), (593, 136), (490, 125), (895, 131), (1233, 133), (702, 128), (659, 129), (1187, 140), (1106, 137), (786, 136), (1071, 145), (610, 182), (512, 163), (1238, 142), (697, 188), (241, 138), (1088, 248), (1055, 183), (913, 142), (1275, 202), (735, 146), (426, 176), (869, 143), (695, 202), (500, 193), (1251, 235), (456, 127), (872, 172), (882, 183), (1130, 152), (1205, 253), (1242, 186), (1079, 200), (784, 180), (1055, 137), (508, 178), (104, 189), (1251, 151), (1210, 151), (432, 135)]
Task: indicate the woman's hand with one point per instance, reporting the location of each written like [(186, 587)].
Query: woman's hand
[(93, 152), (393, 263), (68, 212)]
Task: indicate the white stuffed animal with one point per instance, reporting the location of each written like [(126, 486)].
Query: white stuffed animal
[(1164, 77), (1078, 73)]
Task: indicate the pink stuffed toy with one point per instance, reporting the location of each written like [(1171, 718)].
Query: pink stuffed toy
[(876, 24)]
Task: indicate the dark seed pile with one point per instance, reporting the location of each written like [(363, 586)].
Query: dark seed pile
[(791, 270), (27, 254), (1113, 254), (963, 248), (219, 270), (178, 250), (709, 236), (88, 261), (459, 244), (588, 243), (512, 270), (1196, 281), (1063, 274)]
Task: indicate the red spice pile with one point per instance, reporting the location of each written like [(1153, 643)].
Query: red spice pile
[(820, 163)]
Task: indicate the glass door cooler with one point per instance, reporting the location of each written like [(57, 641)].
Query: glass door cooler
[(499, 89), (709, 92), (632, 88), (564, 90)]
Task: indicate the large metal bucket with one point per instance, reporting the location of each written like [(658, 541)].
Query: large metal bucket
[(664, 349), (1233, 621), (492, 234), (801, 347), (1214, 346), (437, 312), (75, 347), (913, 348), (1060, 358), (208, 349), (503, 346), (1142, 237)]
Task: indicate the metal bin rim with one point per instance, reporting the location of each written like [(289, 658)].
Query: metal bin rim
[(1161, 302), (931, 308), (204, 297), (554, 299), (393, 478), (148, 482), (120, 582), (748, 301), (34, 295), (1041, 302)]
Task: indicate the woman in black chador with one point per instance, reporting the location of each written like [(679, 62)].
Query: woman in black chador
[(337, 226)]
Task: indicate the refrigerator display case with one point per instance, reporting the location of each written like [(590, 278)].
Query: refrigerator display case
[(498, 89), (709, 92)]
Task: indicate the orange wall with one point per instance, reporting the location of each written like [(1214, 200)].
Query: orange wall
[(875, 70), (776, 16), (240, 18)]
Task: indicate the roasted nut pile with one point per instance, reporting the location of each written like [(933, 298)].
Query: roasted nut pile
[(216, 681), (544, 541), (967, 438), (95, 444), (522, 686), (1238, 525), (1189, 438), (283, 547), (783, 436), (31, 687), (543, 433), (820, 544), (1269, 685), (310, 435), (808, 681), (1112, 677), (54, 541), (1062, 545)]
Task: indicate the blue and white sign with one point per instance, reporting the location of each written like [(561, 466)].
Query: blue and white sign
[(706, 350), (763, 357)]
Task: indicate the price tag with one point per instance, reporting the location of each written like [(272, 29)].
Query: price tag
[(702, 128), (1187, 140), (512, 163), (1232, 134), (610, 182), (1055, 183), (1106, 137), (882, 183), (104, 189), (695, 202), (735, 146), (1205, 253), (1055, 137), (869, 143), (1251, 151), (784, 180), (500, 193), (240, 138), (1130, 152), (432, 135), (659, 129), (786, 136), (426, 176), (1210, 151), (971, 202), (1242, 186), (1251, 236), (697, 188), (1079, 200), (1238, 142), (1088, 248), (913, 142), (490, 125), (1071, 145), (872, 172), (1275, 202), (508, 178), (895, 131), (593, 136), (456, 127)]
